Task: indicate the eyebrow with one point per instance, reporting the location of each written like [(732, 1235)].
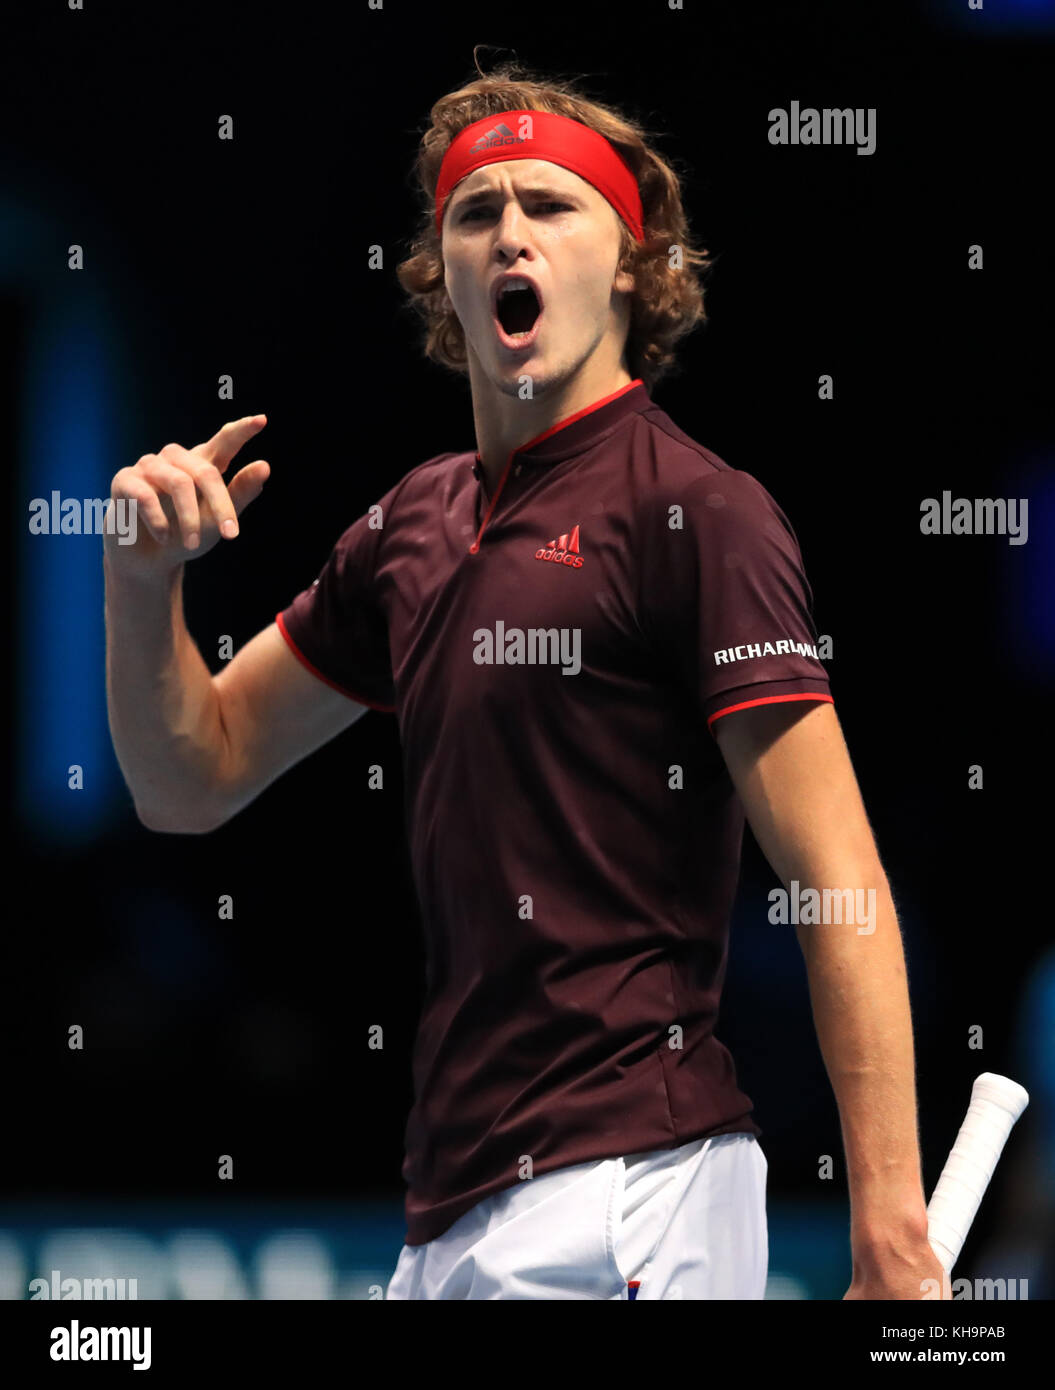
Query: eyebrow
[(481, 195)]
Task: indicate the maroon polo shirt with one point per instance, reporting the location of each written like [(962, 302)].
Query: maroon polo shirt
[(557, 656)]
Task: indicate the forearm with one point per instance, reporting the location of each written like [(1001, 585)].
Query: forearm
[(859, 994), (165, 717)]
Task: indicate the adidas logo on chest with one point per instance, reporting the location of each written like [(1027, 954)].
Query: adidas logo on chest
[(562, 551)]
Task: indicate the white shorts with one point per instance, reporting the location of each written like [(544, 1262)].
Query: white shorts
[(673, 1223)]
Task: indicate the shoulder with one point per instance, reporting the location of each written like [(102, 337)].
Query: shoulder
[(434, 473), (678, 476), (421, 484)]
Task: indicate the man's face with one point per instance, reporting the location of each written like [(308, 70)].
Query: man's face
[(538, 220)]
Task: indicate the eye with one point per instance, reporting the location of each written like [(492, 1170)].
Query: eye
[(470, 213)]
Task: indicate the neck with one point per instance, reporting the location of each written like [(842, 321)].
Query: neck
[(505, 422)]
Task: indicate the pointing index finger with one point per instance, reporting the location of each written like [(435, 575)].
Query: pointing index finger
[(225, 443)]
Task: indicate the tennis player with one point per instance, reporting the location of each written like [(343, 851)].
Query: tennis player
[(597, 638)]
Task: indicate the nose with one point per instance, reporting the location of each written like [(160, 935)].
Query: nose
[(511, 231)]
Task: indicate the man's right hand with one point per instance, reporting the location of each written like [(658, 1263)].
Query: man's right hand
[(182, 503)]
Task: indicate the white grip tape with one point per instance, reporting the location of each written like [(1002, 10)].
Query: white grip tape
[(996, 1103)]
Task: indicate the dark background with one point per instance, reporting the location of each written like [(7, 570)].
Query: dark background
[(249, 1037)]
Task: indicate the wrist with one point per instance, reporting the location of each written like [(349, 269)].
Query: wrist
[(883, 1222), (135, 580)]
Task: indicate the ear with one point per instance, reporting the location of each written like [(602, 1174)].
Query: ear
[(624, 282), (445, 303)]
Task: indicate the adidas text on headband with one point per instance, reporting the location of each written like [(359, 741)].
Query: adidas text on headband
[(541, 135)]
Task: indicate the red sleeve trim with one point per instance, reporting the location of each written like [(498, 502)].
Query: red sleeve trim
[(351, 694), (769, 700)]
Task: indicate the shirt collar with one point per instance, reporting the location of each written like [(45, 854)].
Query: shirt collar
[(577, 432)]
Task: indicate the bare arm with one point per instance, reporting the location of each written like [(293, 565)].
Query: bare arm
[(165, 719), (793, 773), (195, 749)]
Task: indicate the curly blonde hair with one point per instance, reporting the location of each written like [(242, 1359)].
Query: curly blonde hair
[(667, 301)]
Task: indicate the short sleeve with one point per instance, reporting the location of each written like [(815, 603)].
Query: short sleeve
[(336, 627), (723, 596)]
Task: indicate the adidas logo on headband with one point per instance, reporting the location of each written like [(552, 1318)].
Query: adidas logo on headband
[(558, 139), (499, 135)]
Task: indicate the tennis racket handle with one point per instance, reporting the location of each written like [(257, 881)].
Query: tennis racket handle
[(996, 1103)]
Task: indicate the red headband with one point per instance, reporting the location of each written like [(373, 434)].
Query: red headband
[(542, 135)]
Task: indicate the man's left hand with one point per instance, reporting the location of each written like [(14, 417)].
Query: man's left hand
[(906, 1271)]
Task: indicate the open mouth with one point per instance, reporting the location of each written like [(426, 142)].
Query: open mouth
[(518, 314)]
